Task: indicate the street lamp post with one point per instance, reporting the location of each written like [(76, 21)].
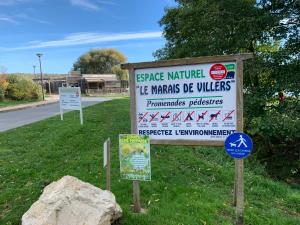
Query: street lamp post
[(40, 55), (34, 70)]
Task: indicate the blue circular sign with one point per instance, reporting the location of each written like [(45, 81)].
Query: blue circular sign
[(238, 145)]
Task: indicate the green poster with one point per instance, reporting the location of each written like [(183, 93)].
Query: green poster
[(134, 153)]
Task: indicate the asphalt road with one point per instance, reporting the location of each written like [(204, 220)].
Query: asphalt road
[(13, 119)]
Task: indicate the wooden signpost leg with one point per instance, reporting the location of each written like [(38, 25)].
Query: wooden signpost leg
[(108, 166), (136, 197), (239, 163), (136, 184), (235, 182), (239, 186)]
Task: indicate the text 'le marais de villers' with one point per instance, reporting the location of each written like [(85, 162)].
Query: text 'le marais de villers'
[(213, 86)]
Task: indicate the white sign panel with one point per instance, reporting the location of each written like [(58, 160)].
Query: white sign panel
[(105, 148), (70, 98), (190, 102)]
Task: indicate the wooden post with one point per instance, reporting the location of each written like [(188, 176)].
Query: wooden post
[(235, 181), (136, 197), (136, 184), (106, 160), (238, 200), (240, 192)]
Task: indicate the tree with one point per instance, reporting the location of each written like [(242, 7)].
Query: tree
[(101, 61), (3, 86), (269, 29), (213, 27)]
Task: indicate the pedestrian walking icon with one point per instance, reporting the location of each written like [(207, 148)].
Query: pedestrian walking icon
[(239, 142), (238, 145)]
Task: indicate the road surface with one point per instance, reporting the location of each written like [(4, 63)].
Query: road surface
[(13, 119)]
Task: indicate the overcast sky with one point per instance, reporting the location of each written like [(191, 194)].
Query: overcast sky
[(64, 29)]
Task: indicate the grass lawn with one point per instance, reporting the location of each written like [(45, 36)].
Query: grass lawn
[(6, 103), (190, 185)]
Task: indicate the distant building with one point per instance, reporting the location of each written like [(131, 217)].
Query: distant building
[(89, 83), (96, 83)]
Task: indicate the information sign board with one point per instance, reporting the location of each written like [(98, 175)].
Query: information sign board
[(188, 102), (70, 99)]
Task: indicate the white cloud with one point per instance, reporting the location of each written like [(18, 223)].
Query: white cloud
[(107, 2), (86, 4), (93, 5), (19, 18), (8, 2), (32, 19), (13, 2), (7, 19), (88, 38)]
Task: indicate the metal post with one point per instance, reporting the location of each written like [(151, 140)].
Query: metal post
[(60, 107), (40, 55), (34, 71), (81, 117), (49, 86), (81, 113)]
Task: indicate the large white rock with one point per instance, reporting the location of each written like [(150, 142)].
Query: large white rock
[(69, 201)]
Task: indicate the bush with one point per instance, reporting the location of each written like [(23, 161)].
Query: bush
[(277, 143), (2, 94), (3, 86), (21, 88)]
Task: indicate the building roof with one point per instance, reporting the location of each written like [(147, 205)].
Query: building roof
[(50, 79), (99, 77)]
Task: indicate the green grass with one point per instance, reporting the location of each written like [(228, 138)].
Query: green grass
[(7, 103), (190, 185)]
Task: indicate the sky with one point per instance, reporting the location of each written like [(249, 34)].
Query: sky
[(62, 30)]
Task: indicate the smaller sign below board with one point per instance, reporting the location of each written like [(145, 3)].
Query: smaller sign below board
[(134, 152), (238, 145), (105, 149)]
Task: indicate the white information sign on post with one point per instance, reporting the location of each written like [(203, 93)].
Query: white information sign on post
[(190, 102), (70, 99), (105, 148)]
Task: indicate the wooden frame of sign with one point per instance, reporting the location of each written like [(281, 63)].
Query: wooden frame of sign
[(238, 200), (189, 61)]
